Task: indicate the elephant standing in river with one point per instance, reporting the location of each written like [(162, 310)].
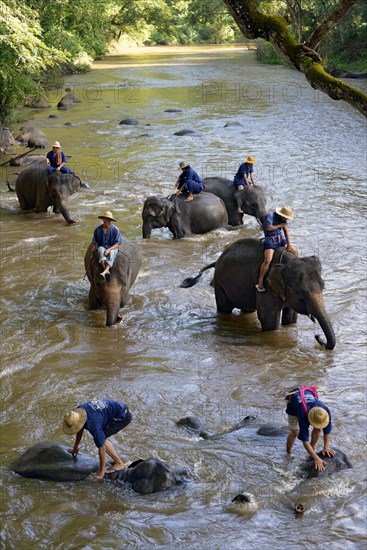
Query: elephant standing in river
[(37, 190), (113, 294), (250, 201), (204, 213), (293, 285)]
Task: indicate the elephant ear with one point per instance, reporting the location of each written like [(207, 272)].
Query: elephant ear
[(276, 281)]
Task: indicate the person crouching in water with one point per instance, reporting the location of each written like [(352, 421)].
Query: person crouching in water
[(189, 181), (106, 239), (276, 235), (305, 409), (101, 418)]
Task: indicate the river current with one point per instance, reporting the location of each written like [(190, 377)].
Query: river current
[(173, 355)]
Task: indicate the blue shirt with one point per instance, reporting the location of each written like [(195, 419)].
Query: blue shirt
[(295, 408), (100, 413), (189, 174), (272, 218), (107, 238), (246, 169), (52, 158)]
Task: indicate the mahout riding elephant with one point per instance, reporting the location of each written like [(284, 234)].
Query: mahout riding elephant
[(293, 285), (204, 213), (250, 201), (51, 461), (37, 190), (112, 295)]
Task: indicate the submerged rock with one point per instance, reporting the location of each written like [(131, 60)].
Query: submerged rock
[(129, 122), (272, 430), (184, 132)]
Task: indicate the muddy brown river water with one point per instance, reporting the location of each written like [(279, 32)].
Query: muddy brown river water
[(173, 355)]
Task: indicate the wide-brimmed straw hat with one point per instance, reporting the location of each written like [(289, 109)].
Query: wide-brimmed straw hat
[(285, 212), (250, 160), (184, 164), (107, 214), (318, 418), (74, 421), (56, 144)]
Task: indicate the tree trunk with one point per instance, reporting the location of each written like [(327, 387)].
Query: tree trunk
[(255, 24)]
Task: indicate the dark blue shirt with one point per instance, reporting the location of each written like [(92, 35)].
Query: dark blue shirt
[(295, 408), (100, 412), (52, 158), (245, 168), (189, 174), (272, 218), (108, 238)]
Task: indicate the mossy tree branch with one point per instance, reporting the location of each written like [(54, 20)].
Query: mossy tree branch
[(255, 24)]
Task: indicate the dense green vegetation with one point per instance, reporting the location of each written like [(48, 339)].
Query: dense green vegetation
[(41, 38)]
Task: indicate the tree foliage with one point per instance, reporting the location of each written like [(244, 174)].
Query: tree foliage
[(254, 23)]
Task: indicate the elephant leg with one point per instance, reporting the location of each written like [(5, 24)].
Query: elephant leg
[(223, 304), (94, 303), (289, 316), (23, 203), (268, 311)]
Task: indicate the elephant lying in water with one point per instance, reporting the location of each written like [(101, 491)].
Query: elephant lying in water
[(250, 201), (113, 294), (37, 190), (204, 213), (333, 464), (51, 461), (196, 427), (293, 285)]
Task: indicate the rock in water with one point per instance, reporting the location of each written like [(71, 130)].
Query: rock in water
[(50, 460), (333, 464)]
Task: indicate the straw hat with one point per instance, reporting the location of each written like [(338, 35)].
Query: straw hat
[(318, 418), (74, 421), (184, 164), (250, 160), (107, 214), (56, 144), (285, 212)]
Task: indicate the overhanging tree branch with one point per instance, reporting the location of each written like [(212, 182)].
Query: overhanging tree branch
[(318, 34), (273, 28)]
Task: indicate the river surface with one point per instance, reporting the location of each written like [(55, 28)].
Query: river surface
[(173, 355)]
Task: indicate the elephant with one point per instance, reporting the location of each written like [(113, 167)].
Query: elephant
[(68, 101), (112, 294), (33, 137), (36, 189), (48, 460), (250, 201), (195, 426), (150, 476), (51, 461), (204, 213), (334, 464), (293, 285)]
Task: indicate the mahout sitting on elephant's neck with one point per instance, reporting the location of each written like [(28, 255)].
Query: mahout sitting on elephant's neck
[(293, 285)]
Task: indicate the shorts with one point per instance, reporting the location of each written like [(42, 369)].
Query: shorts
[(293, 422), (273, 243), (118, 424)]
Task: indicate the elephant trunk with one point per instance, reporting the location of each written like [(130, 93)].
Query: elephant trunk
[(112, 303), (318, 311), (147, 230)]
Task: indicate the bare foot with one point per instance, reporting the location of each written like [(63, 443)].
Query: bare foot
[(189, 198)]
